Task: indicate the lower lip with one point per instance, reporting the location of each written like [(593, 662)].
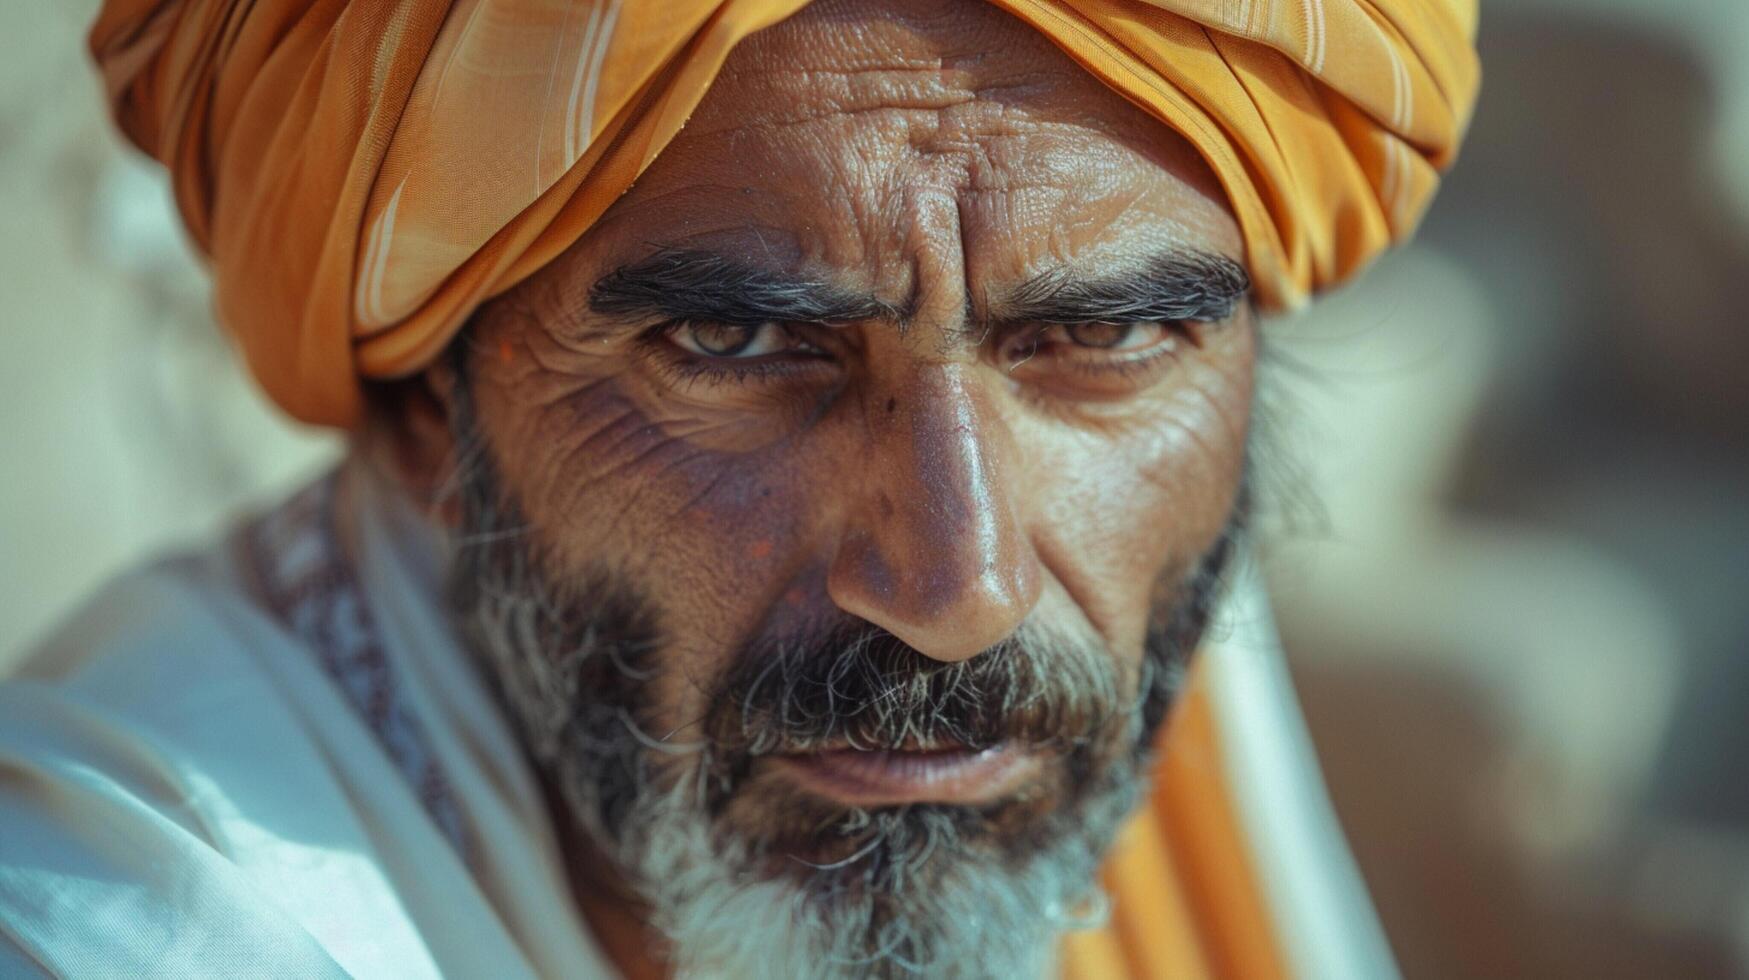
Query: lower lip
[(886, 778)]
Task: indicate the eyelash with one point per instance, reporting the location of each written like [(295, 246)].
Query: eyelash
[(1131, 364), (687, 369), (1127, 367)]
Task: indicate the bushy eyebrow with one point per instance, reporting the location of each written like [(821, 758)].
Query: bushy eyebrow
[(1176, 285), (704, 286), (701, 286)]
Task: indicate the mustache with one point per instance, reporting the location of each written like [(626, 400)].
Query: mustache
[(861, 687)]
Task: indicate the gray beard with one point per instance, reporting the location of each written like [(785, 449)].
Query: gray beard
[(925, 889)]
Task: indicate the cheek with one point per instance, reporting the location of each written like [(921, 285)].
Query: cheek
[(1150, 494), (714, 535), (610, 470), (658, 502)]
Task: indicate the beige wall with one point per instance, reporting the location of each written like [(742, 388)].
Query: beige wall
[(125, 426)]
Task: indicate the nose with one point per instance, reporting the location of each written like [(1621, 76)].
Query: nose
[(934, 550)]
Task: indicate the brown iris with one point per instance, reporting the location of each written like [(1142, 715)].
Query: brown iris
[(722, 339), (1100, 334)]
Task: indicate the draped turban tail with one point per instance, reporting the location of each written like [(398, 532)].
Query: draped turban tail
[(364, 174)]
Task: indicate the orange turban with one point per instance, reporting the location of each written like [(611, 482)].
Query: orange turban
[(363, 175)]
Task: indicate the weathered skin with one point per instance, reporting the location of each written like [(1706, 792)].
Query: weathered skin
[(921, 474)]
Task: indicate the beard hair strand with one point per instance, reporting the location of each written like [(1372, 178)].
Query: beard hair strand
[(923, 889)]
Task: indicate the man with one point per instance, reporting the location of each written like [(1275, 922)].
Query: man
[(797, 451)]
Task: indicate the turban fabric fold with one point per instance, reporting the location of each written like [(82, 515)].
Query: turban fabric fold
[(363, 174)]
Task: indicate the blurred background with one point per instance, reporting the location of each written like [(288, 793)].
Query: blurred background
[(1509, 540)]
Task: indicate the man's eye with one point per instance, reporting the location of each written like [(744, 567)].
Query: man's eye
[(1112, 336), (732, 340)]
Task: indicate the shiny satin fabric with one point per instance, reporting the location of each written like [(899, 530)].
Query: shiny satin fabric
[(363, 175)]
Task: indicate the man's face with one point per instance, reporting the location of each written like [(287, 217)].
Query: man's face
[(839, 507)]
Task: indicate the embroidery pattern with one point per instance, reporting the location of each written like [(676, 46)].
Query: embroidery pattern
[(294, 552)]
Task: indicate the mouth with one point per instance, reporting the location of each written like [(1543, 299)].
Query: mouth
[(888, 777)]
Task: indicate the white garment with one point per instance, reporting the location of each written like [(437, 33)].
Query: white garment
[(273, 759), (186, 790)]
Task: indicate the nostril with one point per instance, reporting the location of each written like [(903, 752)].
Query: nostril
[(938, 602), (934, 550)]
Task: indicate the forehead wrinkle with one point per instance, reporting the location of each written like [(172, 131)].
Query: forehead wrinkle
[(842, 130), (1041, 112), (998, 107), (861, 35), (848, 58)]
